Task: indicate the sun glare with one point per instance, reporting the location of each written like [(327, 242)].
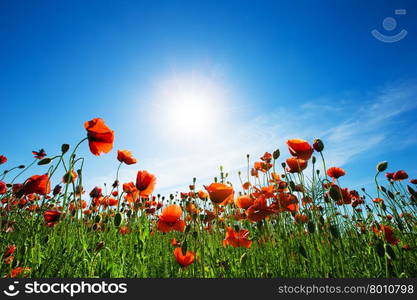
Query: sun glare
[(189, 105)]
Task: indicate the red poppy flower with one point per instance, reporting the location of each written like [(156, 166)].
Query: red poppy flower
[(100, 137), (388, 232), (335, 172), (126, 157), (51, 217), (220, 193), (237, 239), (267, 157), (400, 175), (300, 148), (184, 260), (96, 192), (244, 201), (302, 219), (145, 183), (3, 159), (19, 271), (397, 176), (259, 210), (39, 154), (170, 219), (3, 187), (296, 165), (10, 249), (124, 230), (413, 181), (175, 243), (38, 184)]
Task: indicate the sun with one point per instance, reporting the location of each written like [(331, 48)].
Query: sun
[(189, 104)]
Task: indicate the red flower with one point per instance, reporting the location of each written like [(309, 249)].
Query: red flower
[(335, 172), (170, 219), (3, 159), (400, 175), (145, 183), (413, 181), (19, 271), (124, 230), (299, 218), (397, 176), (184, 260), (126, 157), (96, 192), (39, 154), (388, 233), (244, 201), (296, 165), (259, 210), (300, 148), (237, 239), (175, 243), (3, 187), (9, 251), (38, 184), (100, 137), (51, 217), (220, 193)]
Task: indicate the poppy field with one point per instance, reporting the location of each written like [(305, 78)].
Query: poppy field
[(290, 216)]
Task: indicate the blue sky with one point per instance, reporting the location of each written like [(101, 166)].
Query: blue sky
[(259, 72)]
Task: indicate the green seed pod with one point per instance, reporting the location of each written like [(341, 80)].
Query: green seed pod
[(311, 227), (117, 219), (303, 251), (65, 148), (391, 195), (390, 252), (334, 193), (97, 219), (44, 161), (382, 166), (411, 190), (276, 154), (184, 247), (334, 231), (379, 247)]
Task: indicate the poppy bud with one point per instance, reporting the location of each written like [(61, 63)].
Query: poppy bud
[(382, 166), (411, 190), (334, 193), (184, 247), (21, 166), (318, 145), (283, 165), (65, 148), (313, 160), (44, 161), (117, 219), (276, 154), (57, 190), (99, 246), (97, 219)]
